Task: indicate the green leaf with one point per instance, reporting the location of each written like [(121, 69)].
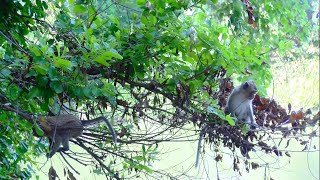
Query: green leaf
[(89, 32), (112, 101), (114, 53), (152, 19), (40, 69), (281, 44), (230, 120), (23, 148), (63, 64), (144, 20), (141, 2), (79, 8), (214, 1), (13, 91), (97, 171), (35, 50), (102, 59), (53, 74), (78, 91), (38, 130), (143, 149), (34, 92), (96, 92), (44, 5), (289, 44), (56, 86), (139, 158), (143, 167), (5, 73), (216, 111), (118, 35), (114, 20), (42, 80), (108, 55), (87, 92)]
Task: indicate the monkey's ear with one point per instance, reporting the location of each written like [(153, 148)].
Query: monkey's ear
[(245, 85)]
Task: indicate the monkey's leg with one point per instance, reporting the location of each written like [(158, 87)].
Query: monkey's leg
[(65, 143), (56, 144)]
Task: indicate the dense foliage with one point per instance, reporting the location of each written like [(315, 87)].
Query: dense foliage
[(151, 67)]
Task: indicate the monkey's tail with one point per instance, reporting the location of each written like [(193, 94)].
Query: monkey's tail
[(199, 147), (99, 119)]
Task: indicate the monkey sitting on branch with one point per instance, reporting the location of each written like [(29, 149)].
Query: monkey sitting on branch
[(239, 103), (60, 129)]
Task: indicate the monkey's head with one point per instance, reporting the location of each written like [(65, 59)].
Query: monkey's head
[(249, 89)]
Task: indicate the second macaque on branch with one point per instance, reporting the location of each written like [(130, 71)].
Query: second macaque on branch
[(239, 103)]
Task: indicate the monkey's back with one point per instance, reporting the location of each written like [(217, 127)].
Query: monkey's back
[(238, 104), (65, 124)]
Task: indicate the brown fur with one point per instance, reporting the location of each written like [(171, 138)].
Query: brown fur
[(60, 129)]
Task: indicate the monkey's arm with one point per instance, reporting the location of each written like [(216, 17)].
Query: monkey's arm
[(251, 117)]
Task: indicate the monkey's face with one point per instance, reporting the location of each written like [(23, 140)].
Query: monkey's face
[(250, 88), (252, 94)]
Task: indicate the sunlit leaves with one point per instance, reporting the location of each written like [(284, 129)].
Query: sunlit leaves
[(63, 64), (284, 46), (141, 2), (79, 8), (106, 56), (214, 1), (144, 20), (36, 51), (114, 20), (41, 69), (152, 20), (230, 120)]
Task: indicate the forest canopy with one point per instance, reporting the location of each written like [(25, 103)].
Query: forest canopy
[(153, 68)]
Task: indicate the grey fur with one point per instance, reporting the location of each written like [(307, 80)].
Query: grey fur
[(239, 103)]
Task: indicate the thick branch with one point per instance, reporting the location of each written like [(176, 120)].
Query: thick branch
[(6, 106)]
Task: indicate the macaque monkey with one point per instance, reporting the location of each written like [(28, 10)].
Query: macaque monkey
[(60, 129), (239, 103)]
